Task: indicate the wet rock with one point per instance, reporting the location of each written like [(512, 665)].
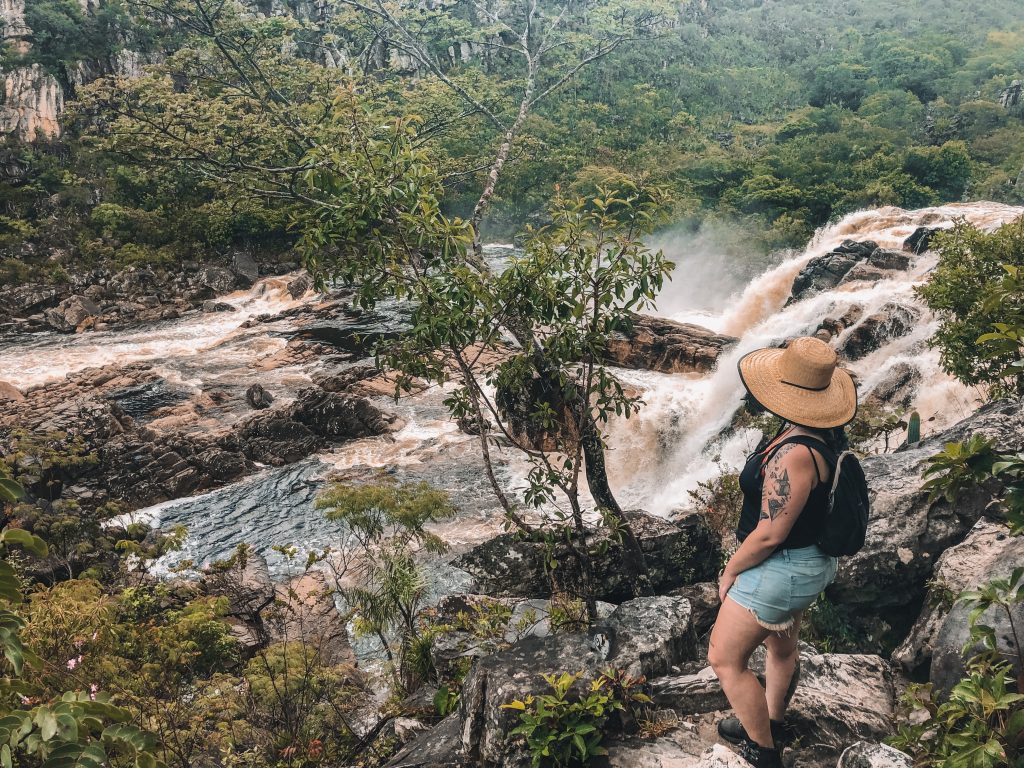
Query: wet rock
[(222, 466), (356, 331), (9, 392), (218, 306), (275, 438), (298, 286), (920, 240), (864, 272), (885, 258), (257, 397), (865, 754), (860, 249), (896, 388), (947, 666), (657, 344), (646, 636), (336, 415), (676, 555), (891, 321), (906, 533), (833, 326), (71, 313), (245, 268), (822, 273)]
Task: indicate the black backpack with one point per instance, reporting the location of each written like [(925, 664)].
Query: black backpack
[(846, 520), (845, 524)]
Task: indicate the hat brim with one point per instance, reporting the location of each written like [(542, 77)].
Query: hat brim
[(834, 406)]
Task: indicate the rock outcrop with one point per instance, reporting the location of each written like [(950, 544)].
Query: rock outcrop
[(953, 635), (891, 321), (102, 299), (657, 344), (677, 554), (907, 533), (850, 261), (107, 413), (645, 636), (958, 568)]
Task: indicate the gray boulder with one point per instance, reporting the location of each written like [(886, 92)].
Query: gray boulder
[(677, 554), (71, 313), (299, 285), (948, 668), (864, 754), (258, 398), (920, 239), (822, 273), (884, 258), (645, 636), (246, 270), (957, 569)]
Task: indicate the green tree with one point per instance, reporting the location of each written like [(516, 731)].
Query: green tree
[(965, 290)]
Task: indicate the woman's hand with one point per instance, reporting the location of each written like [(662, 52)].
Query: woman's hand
[(725, 582)]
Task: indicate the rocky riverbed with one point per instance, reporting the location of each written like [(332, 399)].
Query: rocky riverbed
[(227, 403)]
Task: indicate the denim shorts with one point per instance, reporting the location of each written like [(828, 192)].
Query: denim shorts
[(786, 582)]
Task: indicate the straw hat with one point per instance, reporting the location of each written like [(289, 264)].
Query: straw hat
[(801, 383)]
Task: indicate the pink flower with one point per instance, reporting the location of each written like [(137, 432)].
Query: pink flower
[(93, 689), (72, 663)]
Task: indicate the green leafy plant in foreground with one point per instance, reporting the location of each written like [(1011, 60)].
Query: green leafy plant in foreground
[(981, 724), (82, 729), (563, 729)]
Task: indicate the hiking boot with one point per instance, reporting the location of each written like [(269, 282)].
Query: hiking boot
[(733, 731), (758, 756)]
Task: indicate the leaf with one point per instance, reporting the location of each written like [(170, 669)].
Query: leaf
[(33, 544)]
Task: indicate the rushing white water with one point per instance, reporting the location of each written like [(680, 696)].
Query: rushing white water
[(660, 455), (182, 348)]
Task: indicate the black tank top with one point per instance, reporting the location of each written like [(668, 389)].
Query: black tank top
[(807, 527)]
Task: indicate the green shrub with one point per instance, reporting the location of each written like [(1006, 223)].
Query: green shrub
[(564, 729)]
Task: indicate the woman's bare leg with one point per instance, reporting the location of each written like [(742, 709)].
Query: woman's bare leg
[(735, 636), (780, 662)]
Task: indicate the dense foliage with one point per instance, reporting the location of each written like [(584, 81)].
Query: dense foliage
[(774, 117), (978, 294)]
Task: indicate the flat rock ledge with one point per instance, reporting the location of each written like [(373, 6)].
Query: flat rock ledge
[(657, 344)]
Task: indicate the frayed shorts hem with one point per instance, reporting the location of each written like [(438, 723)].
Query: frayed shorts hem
[(783, 585)]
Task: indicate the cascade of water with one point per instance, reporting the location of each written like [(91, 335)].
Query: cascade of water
[(660, 455), (177, 345)]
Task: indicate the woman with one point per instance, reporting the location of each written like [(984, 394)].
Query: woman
[(778, 570)]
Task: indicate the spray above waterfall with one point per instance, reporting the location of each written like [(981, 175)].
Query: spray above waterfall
[(677, 439)]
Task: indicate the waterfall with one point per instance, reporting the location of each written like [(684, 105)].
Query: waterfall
[(675, 442)]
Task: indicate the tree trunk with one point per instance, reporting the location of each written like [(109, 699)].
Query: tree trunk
[(601, 491)]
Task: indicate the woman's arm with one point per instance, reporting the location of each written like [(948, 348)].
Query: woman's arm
[(788, 480)]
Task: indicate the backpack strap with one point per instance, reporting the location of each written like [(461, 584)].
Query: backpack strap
[(811, 444)]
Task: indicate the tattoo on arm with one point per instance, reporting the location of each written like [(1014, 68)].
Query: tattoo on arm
[(777, 488)]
